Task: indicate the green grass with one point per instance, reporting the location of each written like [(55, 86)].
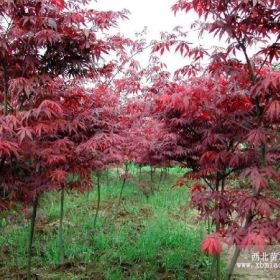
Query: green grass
[(146, 238)]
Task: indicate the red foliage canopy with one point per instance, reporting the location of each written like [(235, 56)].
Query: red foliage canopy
[(226, 118), (51, 124)]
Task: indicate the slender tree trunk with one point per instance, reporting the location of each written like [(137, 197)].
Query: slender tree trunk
[(30, 245), (151, 173), (160, 178), (152, 181), (253, 79), (217, 257), (61, 240), (218, 261), (133, 169), (140, 172), (212, 273), (237, 250), (98, 199), (233, 261), (248, 221), (107, 177), (166, 172), (5, 89), (123, 184), (218, 267)]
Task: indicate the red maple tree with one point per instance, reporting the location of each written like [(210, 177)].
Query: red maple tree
[(226, 117), (52, 126)]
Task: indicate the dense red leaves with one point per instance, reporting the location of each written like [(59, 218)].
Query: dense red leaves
[(226, 117), (257, 137), (51, 125), (181, 5), (60, 4), (220, 121), (258, 179), (254, 239), (58, 176), (272, 111), (9, 149), (258, 17)]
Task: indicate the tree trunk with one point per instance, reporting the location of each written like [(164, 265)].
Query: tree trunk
[(107, 177), (61, 240), (218, 257), (140, 172), (166, 171), (152, 181), (262, 149), (151, 173), (249, 218), (218, 267), (123, 184), (5, 89), (98, 199), (160, 178), (30, 245), (233, 261), (237, 251), (218, 260)]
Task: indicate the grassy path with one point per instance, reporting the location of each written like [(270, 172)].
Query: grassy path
[(148, 237)]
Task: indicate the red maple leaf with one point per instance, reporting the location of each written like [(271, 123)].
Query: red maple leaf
[(273, 111), (254, 239), (60, 4), (211, 245), (58, 175)]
